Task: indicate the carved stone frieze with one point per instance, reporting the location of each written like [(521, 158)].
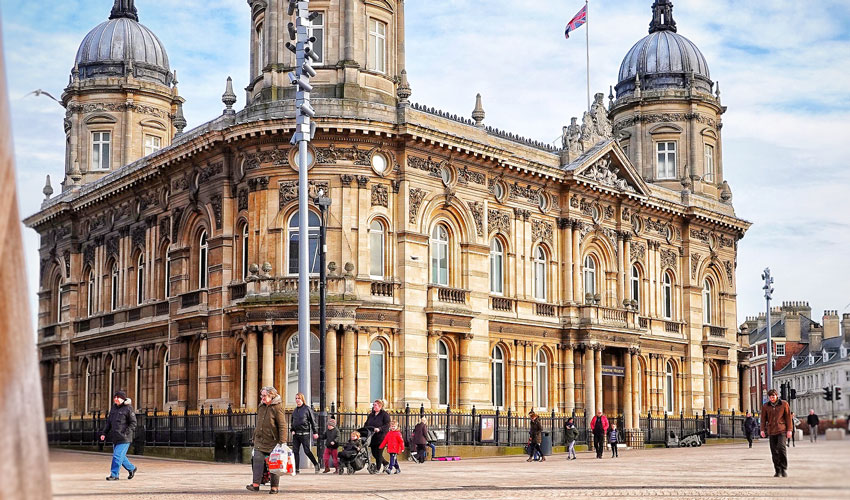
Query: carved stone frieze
[(332, 154), (416, 197), (242, 199), (272, 157), (88, 255), (380, 195), (499, 221), (288, 191), (729, 270), (116, 108), (427, 164), (695, 260), (465, 176), (700, 234), (609, 212), (607, 174), (528, 192), (216, 203), (664, 118), (541, 230), (66, 258), (668, 259), (477, 209), (112, 247), (138, 237), (726, 241), (163, 227), (625, 214), (176, 214), (638, 251), (211, 171)]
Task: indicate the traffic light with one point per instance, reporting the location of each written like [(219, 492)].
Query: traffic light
[(793, 395), (827, 393), (783, 391), (838, 393)]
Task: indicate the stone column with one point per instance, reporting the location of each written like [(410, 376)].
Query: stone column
[(464, 382), (202, 370), (724, 386), (745, 390), (708, 397), (349, 375), (528, 375), (331, 373), (589, 385), (597, 375), (636, 389), (652, 386), (627, 395), (578, 293), (621, 272), (569, 287), (569, 380), (251, 369), (433, 369), (627, 259), (268, 357)]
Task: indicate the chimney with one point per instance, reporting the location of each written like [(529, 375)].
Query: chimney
[(830, 324), (845, 327), (761, 321), (751, 323), (815, 339), (792, 326)]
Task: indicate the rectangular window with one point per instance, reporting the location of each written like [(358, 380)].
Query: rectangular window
[(780, 349), (100, 142), (318, 31), (666, 160), (377, 46), (259, 56), (709, 164), (152, 144), (444, 381)]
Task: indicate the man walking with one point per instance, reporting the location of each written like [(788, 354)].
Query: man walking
[(812, 420), (750, 427), (120, 428), (599, 426), (776, 423)]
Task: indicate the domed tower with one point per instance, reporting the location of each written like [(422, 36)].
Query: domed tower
[(360, 44), (665, 115), (122, 101)]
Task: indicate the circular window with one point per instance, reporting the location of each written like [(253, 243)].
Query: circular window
[(293, 157), (712, 241), (668, 233), (542, 201), (596, 213), (379, 163), (637, 224), (446, 175)]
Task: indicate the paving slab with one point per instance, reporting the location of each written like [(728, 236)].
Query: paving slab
[(733, 471)]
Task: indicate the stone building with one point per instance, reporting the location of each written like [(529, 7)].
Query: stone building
[(468, 266)]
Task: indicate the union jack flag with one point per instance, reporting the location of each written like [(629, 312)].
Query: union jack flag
[(577, 20)]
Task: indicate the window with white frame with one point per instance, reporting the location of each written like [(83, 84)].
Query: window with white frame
[(244, 252), (137, 381), (313, 224), (443, 372), (100, 150), (318, 31), (243, 375), (589, 275), (376, 370), (167, 274), (667, 305), (165, 373), (87, 387), (292, 369), (58, 291), (542, 365), (635, 284), (377, 250), (140, 279), (113, 295), (497, 267), (709, 391), (540, 287), (90, 292), (780, 349), (638, 391), (666, 164), (497, 377), (440, 255), (377, 46), (709, 163), (110, 379), (669, 388), (706, 302), (260, 56), (152, 144), (203, 261)]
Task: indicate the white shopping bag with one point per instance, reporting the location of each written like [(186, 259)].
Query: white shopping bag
[(289, 464), (277, 459)]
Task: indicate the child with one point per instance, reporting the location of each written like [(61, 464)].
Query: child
[(420, 440), (395, 445), (612, 438), (331, 446), (571, 434), (349, 452)]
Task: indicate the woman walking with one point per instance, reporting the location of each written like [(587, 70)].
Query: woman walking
[(303, 425), (378, 422), (120, 427), (269, 432), (420, 439), (535, 431), (571, 434)]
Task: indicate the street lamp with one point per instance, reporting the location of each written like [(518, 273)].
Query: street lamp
[(768, 294), (323, 203)]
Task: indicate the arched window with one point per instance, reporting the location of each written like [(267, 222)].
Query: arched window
[(443, 372), (440, 255), (57, 292), (113, 292), (165, 361), (709, 391), (376, 251), (497, 377), (140, 279), (313, 242), (540, 288), (669, 388), (203, 260), (137, 381), (497, 267), (292, 369), (376, 370), (542, 379), (260, 55), (167, 278), (635, 284), (243, 375), (707, 309), (245, 252), (87, 373), (90, 306), (667, 306), (589, 275), (639, 389)]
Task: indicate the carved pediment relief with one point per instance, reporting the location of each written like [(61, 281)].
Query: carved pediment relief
[(608, 166), (100, 118), (382, 4), (666, 128), (606, 173)]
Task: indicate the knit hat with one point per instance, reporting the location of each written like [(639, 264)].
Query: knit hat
[(120, 394), (332, 422)]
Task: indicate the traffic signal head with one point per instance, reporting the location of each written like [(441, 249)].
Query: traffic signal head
[(793, 394), (838, 393), (783, 391), (827, 393)]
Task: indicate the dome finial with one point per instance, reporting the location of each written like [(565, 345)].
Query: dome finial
[(124, 8), (662, 17)]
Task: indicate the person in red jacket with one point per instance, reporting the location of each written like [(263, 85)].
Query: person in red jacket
[(395, 445), (599, 427)]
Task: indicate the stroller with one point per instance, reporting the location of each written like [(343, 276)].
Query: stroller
[(352, 461)]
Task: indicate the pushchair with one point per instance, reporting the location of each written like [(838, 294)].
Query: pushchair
[(351, 462)]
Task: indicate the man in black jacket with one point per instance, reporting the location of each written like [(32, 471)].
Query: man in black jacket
[(120, 427), (812, 420)]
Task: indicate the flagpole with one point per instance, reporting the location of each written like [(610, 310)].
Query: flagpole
[(587, 47)]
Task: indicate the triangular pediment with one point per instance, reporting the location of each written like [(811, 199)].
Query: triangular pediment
[(606, 165)]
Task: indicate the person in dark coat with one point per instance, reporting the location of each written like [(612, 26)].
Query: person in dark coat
[(535, 436), (303, 425), (420, 439), (269, 432), (120, 428), (776, 422), (813, 421), (571, 434), (378, 422), (750, 427), (331, 437), (599, 427)]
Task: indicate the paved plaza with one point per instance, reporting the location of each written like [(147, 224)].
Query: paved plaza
[(720, 471)]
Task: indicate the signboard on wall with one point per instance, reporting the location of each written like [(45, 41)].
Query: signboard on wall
[(613, 371), (487, 428)]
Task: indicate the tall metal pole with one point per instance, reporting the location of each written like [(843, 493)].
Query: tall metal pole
[(323, 202), (587, 47), (768, 294)]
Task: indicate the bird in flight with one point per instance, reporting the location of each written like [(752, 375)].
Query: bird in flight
[(39, 92)]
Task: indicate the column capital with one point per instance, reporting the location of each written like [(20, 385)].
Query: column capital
[(635, 349), (467, 336), (434, 333)]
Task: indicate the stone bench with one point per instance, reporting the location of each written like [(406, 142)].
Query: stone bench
[(834, 434)]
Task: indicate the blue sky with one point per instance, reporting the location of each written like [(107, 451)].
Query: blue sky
[(783, 77)]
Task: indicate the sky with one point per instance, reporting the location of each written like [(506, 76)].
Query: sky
[(783, 77)]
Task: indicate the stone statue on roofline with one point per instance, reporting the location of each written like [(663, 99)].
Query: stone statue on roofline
[(595, 127)]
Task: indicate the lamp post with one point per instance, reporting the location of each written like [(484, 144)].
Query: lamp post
[(323, 203), (768, 294)]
